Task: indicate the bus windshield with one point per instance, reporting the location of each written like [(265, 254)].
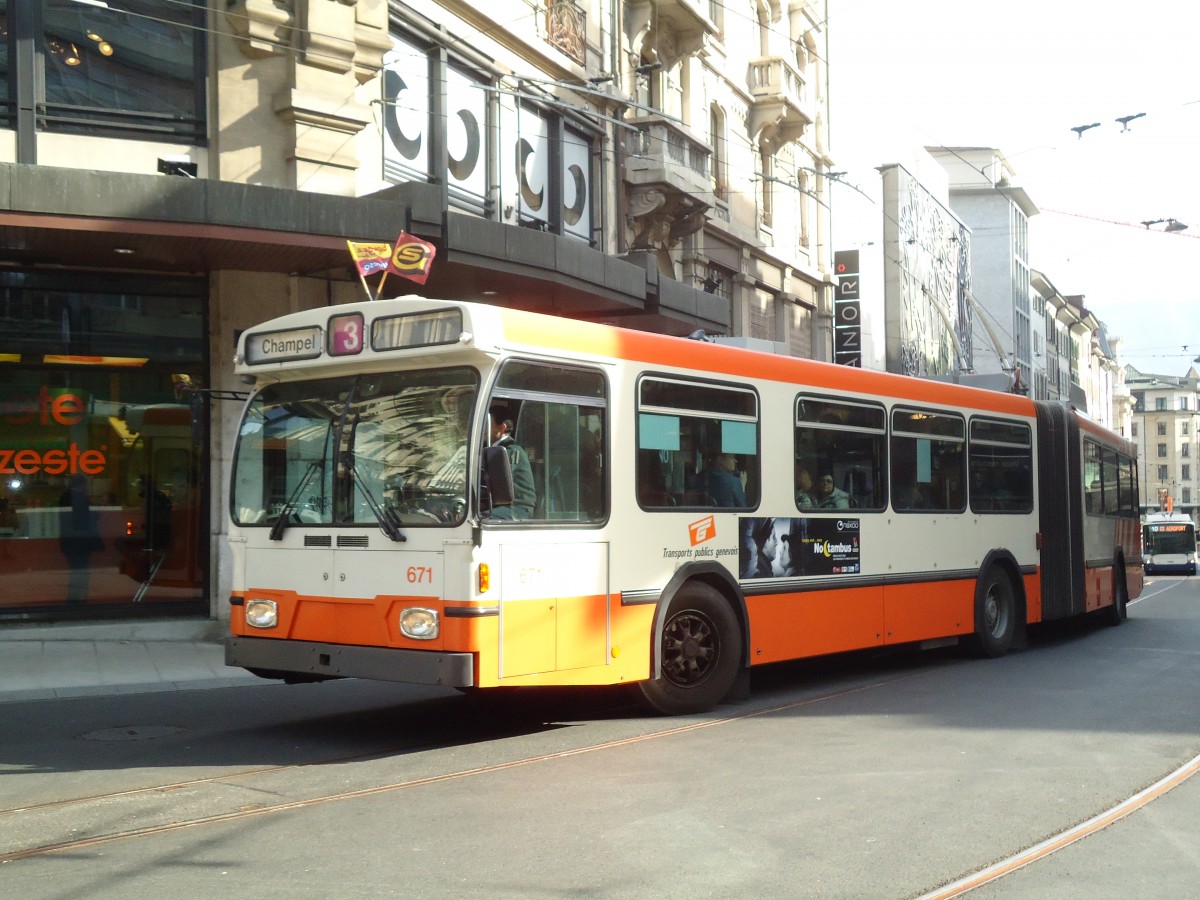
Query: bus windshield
[(382, 449)]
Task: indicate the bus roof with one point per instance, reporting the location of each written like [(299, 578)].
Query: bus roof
[(490, 328)]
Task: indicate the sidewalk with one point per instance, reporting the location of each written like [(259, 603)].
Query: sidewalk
[(43, 662)]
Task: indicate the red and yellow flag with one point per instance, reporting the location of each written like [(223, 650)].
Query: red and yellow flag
[(370, 258), (412, 258)]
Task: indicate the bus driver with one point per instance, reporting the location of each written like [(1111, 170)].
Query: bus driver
[(524, 495)]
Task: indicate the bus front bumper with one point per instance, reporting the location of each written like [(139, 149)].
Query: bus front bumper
[(311, 661)]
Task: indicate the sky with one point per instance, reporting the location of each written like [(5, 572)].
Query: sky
[(1018, 76)]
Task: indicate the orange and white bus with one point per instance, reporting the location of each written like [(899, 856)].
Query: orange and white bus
[(696, 509)]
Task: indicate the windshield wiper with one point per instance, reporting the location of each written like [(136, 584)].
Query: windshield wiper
[(289, 507), (388, 519)]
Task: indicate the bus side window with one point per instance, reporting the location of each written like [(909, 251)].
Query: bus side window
[(561, 427), (929, 461), (1000, 459), (698, 445), (843, 440)]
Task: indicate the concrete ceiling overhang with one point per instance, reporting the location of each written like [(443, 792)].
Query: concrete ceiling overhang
[(54, 217)]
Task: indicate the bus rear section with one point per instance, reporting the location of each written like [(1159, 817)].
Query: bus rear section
[(1089, 534)]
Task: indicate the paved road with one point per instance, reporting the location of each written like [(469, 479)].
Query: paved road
[(872, 775)]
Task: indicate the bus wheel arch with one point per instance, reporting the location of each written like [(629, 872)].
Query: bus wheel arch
[(999, 605), (699, 643)]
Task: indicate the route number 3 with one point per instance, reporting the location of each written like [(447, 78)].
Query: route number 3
[(346, 334)]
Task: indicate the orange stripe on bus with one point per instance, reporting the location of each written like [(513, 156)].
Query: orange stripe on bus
[(549, 333)]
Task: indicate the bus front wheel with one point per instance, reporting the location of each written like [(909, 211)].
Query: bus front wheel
[(699, 651), (995, 613)]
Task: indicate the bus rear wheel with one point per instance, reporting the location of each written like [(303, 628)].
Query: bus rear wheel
[(995, 613), (699, 651)]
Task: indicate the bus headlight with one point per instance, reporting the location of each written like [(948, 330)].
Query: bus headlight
[(262, 613), (419, 623)]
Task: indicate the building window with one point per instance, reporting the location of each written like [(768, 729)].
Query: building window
[(135, 72), (1183, 427), (105, 511), (545, 159), (1162, 427), (1183, 402), (1162, 451), (1134, 431), (1162, 473), (766, 177), (1185, 450), (1187, 495), (1160, 404), (717, 138), (1186, 473), (804, 199)]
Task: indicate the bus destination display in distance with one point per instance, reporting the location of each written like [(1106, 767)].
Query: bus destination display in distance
[(280, 346)]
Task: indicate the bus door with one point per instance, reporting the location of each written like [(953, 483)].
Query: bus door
[(553, 607)]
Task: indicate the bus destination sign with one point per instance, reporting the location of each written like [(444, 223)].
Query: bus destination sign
[(279, 346)]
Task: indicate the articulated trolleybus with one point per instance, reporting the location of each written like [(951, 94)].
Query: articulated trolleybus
[(1170, 544), (456, 494)]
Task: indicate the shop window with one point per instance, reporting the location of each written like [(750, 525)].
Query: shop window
[(101, 504)]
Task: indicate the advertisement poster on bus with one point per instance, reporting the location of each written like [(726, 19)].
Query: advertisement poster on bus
[(792, 547)]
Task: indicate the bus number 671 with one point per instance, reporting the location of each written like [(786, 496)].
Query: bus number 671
[(420, 574)]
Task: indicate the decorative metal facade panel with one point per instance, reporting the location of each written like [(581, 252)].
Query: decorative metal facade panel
[(928, 282)]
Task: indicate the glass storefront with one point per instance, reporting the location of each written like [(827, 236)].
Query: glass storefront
[(102, 501)]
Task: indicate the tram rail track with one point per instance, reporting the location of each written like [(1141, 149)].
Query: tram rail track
[(51, 836)]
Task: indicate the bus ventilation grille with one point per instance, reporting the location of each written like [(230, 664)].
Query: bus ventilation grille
[(353, 541), (317, 540)]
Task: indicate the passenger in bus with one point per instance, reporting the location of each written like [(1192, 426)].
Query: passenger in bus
[(829, 496), (804, 486), (524, 493), (723, 481)]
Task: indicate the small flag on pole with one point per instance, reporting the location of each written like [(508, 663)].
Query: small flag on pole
[(369, 259), (412, 258)]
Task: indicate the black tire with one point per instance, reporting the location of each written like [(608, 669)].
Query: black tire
[(995, 613), (699, 651), (1119, 611)]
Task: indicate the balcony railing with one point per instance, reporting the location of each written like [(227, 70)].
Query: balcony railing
[(780, 97), (661, 148)]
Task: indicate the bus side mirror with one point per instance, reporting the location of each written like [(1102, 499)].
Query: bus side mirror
[(497, 475)]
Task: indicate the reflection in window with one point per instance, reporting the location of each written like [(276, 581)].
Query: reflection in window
[(336, 450), (140, 67)]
